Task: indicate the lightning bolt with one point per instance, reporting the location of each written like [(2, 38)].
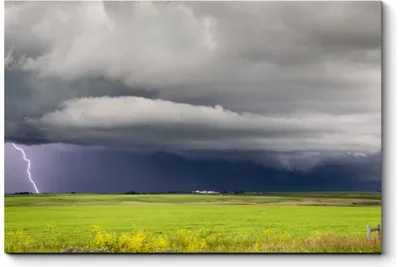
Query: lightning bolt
[(29, 166)]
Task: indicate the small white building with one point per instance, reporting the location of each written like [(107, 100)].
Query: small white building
[(206, 192)]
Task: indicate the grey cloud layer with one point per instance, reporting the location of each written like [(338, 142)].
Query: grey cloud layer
[(273, 76)]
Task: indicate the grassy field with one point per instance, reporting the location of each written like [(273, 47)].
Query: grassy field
[(191, 223)]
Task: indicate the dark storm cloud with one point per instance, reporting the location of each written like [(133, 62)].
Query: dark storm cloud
[(267, 75), (155, 172)]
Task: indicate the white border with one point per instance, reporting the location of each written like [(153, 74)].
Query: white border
[(390, 184)]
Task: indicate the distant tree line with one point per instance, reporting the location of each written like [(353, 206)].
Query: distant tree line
[(155, 193), (132, 192)]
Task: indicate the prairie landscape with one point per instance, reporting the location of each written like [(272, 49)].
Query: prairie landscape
[(192, 126), (274, 223)]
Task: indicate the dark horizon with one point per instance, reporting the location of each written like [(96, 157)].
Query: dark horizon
[(104, 171)]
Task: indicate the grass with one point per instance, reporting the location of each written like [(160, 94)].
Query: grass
[(15, 200), (51, 223), (354, 195), (348, 199), (189, 241)]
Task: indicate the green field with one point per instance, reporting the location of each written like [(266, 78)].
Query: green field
[(67, 219)]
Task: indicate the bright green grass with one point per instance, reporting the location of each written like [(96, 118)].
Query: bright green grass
[(15, 200), (74, 221), (354, 195), (67, 219), (68, 199)]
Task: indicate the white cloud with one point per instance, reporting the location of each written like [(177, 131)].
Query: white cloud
[(357, 154), (159, 123)]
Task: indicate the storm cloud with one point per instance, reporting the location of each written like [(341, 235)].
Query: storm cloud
[(195, 76)]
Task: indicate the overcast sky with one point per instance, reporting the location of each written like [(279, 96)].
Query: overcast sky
[(279, 83)]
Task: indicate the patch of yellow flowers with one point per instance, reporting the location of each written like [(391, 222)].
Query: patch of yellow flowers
[(145, 241), (188, 241)]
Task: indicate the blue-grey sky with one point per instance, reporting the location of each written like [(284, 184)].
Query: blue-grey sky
[(114, 96)]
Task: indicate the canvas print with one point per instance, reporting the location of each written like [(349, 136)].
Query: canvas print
[(192, 127)]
